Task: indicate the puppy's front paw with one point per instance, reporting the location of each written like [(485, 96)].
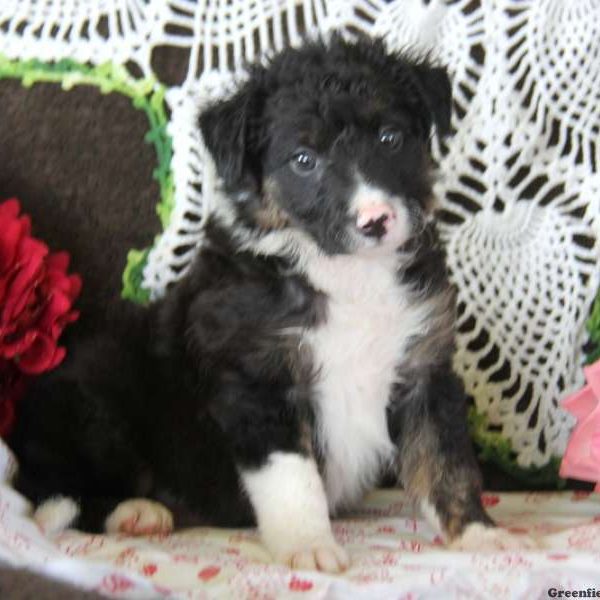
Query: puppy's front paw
[(326, 556), (482, 538), (56, 514), (139, 516)]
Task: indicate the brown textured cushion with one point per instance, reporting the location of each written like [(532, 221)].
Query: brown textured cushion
[(78, 162)]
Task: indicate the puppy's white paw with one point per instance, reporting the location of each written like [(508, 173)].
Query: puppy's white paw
[(481, 538), (326, 556), (56, 514), (139, 516), (291, 508)]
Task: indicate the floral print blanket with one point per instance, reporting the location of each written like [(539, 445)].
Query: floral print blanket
[(395, 554)]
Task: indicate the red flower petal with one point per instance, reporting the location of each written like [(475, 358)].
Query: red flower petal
[(57, 305), (36, 295), (58, 357), (10, 235), (26, 277), (3, 286), (41, 356), (76, 285), (63, 321), (12, 387), (12, 232), (18, 346), (25, 224), (7, 412), (58, 261), (9, 209)]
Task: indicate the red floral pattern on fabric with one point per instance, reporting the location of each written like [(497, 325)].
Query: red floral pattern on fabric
[(115, 583), (149, 570), (300, 585), (209, 572), (489, 500), (394, 554)]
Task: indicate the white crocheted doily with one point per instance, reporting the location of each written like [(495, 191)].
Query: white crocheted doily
[(520, 184)]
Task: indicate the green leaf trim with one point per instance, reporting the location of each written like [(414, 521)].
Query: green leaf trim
[(147, 94), (133, 277), (593, 326), (493, 447)]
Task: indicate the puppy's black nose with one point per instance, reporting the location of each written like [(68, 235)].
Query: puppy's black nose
[(375, 227)]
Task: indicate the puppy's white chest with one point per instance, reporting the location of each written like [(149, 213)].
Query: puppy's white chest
[(356, 353)]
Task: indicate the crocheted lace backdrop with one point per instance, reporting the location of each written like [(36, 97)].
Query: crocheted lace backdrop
[(519, 186)]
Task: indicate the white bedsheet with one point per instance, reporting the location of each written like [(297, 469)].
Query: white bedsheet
[(395, 554)]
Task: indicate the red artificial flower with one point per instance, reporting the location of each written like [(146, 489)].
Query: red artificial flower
[(12, 387), (36, 300)]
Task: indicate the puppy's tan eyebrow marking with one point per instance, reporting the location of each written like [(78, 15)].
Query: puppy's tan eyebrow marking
[(270, 215)]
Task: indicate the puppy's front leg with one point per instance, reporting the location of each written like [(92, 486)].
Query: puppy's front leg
[(266, 424), (289, 501), (436, 462)]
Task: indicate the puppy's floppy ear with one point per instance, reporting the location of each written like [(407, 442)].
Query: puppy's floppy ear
[(228, 128), (434, 85)]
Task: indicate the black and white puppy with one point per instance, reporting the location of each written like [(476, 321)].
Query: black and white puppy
[(308, 350)]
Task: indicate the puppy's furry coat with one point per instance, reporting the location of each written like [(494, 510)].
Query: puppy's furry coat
[(307, 351)]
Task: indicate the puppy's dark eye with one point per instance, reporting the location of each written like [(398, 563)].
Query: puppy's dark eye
[(390, 138), (303, 162)]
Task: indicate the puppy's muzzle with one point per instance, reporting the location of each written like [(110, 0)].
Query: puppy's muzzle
[(375, 220)]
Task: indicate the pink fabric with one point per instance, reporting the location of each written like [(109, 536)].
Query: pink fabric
[(582, 456)]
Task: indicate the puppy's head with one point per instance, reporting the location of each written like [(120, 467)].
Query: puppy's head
[(331, 140)]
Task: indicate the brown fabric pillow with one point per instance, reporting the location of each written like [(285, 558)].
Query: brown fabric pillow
[(78, 162)]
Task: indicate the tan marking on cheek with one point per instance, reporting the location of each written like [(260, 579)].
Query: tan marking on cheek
[(270, 215), (431, 204), (306, 438)]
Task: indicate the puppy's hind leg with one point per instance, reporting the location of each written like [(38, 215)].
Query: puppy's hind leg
[(134, 517), (77, 458), (139, 516)]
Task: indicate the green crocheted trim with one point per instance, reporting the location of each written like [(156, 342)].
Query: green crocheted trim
[(493, 447), (133, 277), (147, 95), (594, 330)]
